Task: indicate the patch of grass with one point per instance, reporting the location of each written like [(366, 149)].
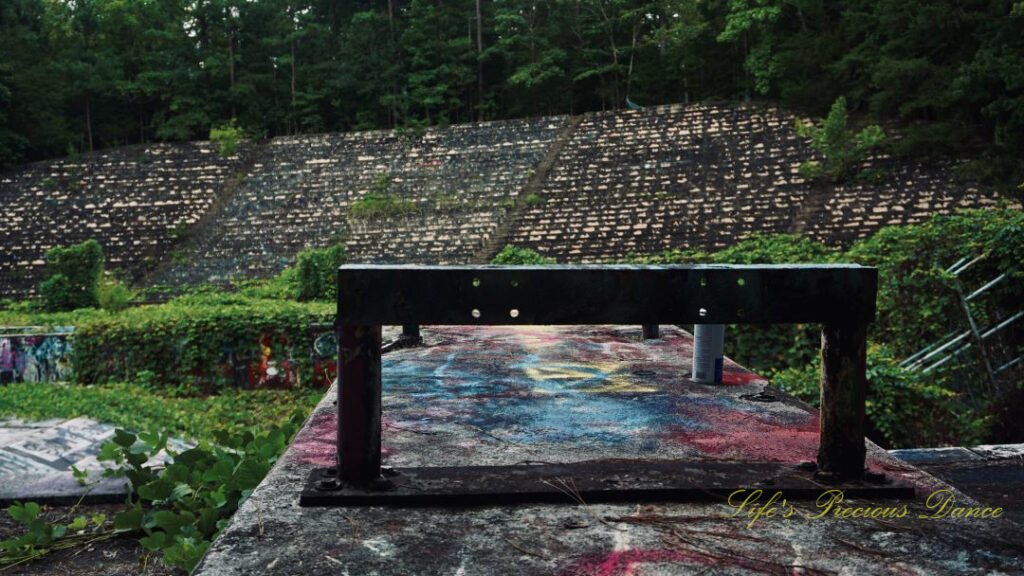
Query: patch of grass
[(139, 407), (380, 206), (535, 200)]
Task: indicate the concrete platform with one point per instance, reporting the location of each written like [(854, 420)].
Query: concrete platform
[(551, 395)]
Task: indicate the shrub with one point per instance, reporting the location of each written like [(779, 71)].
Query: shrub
[(382, 183), (511, 255), (316, 277), (380, 206), (74, 274), (535, 200), (842, 149), (917, 299), (227, 137), (898, 402), (194, 342), (113, 296)]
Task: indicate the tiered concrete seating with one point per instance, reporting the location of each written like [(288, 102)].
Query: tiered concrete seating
[(696, 176), (672, 176), (461, 181), (904, 194), (135, 201)]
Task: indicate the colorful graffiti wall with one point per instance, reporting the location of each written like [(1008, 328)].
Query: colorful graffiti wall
[(35, 357), (27, 355), (274, 362)]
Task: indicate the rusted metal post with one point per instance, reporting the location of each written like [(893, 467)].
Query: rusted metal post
[(359, 404), (650, 331), (843, 387), (411, 333)]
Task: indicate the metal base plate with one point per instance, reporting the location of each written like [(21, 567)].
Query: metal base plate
[(591, 482)]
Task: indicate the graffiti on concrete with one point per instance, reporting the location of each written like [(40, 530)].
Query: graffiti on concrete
[(274, 362), (28, 357)]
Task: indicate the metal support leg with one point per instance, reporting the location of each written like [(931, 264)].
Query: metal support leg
[(359, 404), (650, 331), (411, 333), (843, 386)]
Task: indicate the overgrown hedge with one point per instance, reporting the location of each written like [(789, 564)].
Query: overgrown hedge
[(917, 305), (190, 340)]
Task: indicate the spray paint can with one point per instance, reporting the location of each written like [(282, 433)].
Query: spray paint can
[(708, 351)]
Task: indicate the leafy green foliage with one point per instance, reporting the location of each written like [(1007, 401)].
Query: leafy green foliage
[(898, 402), (112, 295), (382, 183), (184, 340), (512, 255), (316, 276), (226, 136), (917, 301), (181, 507), (148, 404), (373, 206), (843, 150), (74, 275), (177, 508), (535, 199), (42, 536)]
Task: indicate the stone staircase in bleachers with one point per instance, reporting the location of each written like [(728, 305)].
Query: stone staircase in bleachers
[(138, 201), (903, 194), (705, 177), (671, 176), (601, 186), (460, 181)]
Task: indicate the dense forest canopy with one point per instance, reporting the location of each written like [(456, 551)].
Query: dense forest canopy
[(76, 75)]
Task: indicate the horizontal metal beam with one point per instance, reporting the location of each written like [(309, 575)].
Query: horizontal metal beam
[(592, 481), (505, 295)]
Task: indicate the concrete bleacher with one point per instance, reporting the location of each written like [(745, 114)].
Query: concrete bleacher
[(704, 177), (460, 181), (903, 194), (137, 201), (609, 184), (643, 181)]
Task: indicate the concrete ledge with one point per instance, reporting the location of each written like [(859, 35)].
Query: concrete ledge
[(478, 396)]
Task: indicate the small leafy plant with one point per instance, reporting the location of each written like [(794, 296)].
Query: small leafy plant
[(176, 509), (842, 149), (380, 206), (514, 255), (226, 136)]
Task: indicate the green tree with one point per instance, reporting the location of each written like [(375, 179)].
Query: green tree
[(441, 60), (74, 275), (317, 272), (842, 149), (750, 23)]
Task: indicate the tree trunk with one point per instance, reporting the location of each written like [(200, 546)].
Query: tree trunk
[(88, 121), (295, 123), (231, 71), (479, 60)]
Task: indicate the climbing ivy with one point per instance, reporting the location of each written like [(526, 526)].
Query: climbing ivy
[(177, 508), (184, 341), (74, 274), (917, 305), (316, 276)]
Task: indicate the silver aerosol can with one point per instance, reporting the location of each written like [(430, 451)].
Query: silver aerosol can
[(708, 351)]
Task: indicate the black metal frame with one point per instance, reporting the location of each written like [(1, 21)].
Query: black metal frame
[(842, 297)]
